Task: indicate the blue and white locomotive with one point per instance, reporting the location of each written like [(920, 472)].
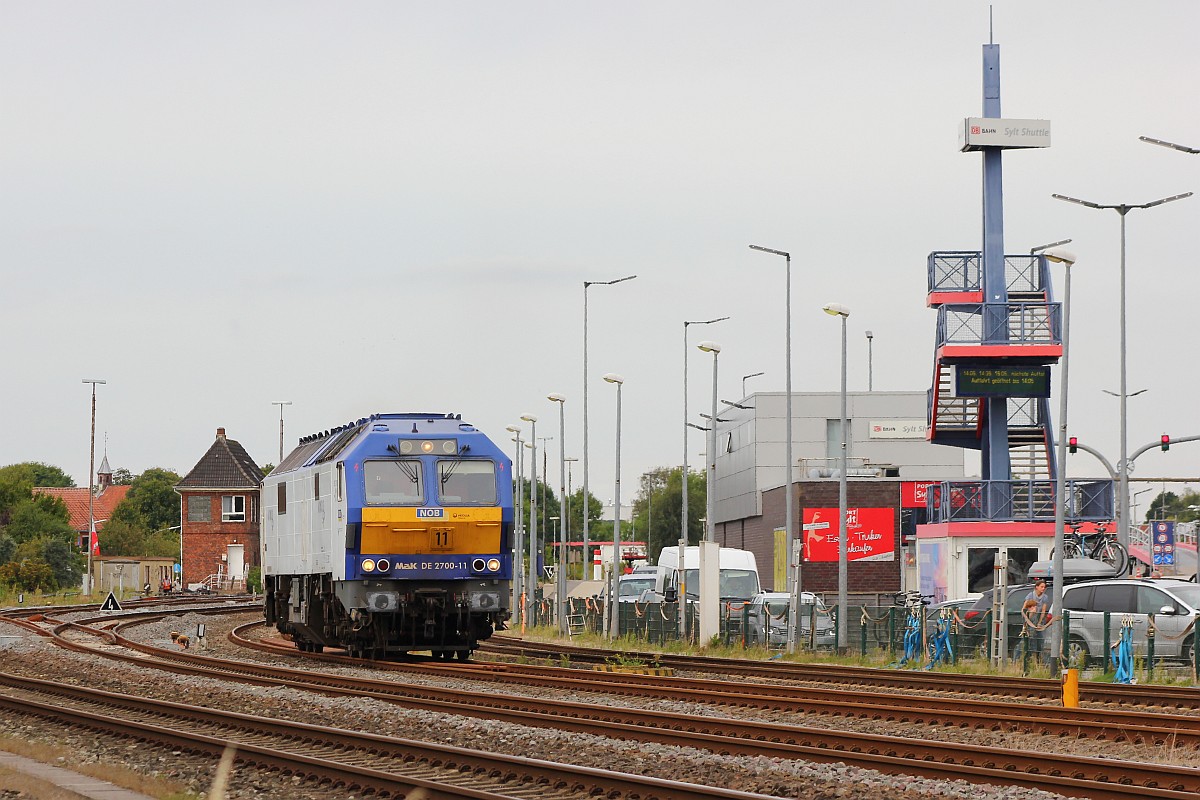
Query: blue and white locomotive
[(387, 535)]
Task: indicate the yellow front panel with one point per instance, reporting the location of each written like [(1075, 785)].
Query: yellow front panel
[(458, 530)]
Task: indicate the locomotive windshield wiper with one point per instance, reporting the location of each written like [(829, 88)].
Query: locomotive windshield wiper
[(448, 471), (408, 469)]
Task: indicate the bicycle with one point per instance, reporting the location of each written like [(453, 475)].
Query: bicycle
[(1097, 545), (914, 604)]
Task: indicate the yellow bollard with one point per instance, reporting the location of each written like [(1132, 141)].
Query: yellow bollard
[(1070, 688)]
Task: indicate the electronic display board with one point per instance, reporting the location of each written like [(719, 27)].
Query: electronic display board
[(1002, 381)]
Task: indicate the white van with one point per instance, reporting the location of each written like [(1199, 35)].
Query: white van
[(738, 570)]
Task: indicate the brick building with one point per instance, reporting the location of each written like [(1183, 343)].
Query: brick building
[(220, 513), (758, 534), (101, 507), (887, 454)]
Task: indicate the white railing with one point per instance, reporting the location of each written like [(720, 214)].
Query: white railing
[(219, 582)]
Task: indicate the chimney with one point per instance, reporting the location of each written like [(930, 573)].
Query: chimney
[(221, 434)]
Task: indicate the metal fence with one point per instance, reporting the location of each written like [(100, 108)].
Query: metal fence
[(921, 640)]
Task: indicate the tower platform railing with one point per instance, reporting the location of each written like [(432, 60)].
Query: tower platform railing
[(1010, 501)]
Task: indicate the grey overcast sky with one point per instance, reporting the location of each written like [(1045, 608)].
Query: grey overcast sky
[(392, 206)]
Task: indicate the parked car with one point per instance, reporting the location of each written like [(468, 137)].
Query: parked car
[(767, 620), (961, 606), (1174, 604), (976, 638)]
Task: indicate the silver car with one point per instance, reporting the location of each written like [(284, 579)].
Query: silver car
[(1174, 604), (767, 620)]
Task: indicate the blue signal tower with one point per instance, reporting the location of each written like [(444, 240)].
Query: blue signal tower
[(999, 331)]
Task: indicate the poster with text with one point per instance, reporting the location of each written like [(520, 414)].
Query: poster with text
[(870, 534)]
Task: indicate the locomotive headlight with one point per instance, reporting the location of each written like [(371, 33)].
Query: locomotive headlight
[(368, 565), (426, 447), (493, 565), (406, 447), (383, 565), (477, 565), (449, 447)]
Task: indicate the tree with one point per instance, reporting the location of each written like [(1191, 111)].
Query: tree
[(152, 502), (28, 575), (17, 482), (595, 509), (65, 562), (35, 473), (659, 504), (122, 477), (39, 517), (1168, 505)]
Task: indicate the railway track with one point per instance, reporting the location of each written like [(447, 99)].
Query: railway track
[(1136, 727), (332, 758), (1072, 775), (1179, 697)]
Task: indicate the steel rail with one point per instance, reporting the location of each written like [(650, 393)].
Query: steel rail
[(1183, 697), (1113, 725), (1080, 776), (457, 765)]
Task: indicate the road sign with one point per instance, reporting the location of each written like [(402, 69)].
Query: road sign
[(110, 603)]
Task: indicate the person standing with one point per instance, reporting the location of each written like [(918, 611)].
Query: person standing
[(1036, 611)]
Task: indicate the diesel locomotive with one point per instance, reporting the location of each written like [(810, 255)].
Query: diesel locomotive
[(387, 535)]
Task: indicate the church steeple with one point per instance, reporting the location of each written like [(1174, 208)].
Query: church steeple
[(104, 475)]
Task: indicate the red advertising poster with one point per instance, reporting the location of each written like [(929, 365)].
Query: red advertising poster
[(870, 534), (912, 493)]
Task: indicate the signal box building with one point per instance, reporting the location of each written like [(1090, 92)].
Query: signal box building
[(219, 515)]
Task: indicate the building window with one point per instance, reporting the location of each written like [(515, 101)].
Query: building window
[(233, 508), (316, 486), (281, 499), (199, 508)]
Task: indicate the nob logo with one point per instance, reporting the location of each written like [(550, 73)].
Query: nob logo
[(426, 513)]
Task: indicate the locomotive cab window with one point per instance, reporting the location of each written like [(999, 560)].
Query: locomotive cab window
[(468, 482), (393, 483)]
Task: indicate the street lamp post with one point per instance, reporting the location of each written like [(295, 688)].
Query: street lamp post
[(839, 310), (1123, 467), (1180, 147), (92, 487), (560, 578), (586, 522), (545, 487), (566, 525), (870, 362), (789, 498), (519, 527), (614, 584), (710, 491), (1067, 259), (281, 404), (747, 377), (531, 581), (683, 485)]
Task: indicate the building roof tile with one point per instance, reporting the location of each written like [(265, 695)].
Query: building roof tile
[(226, 465), (76, 501)]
